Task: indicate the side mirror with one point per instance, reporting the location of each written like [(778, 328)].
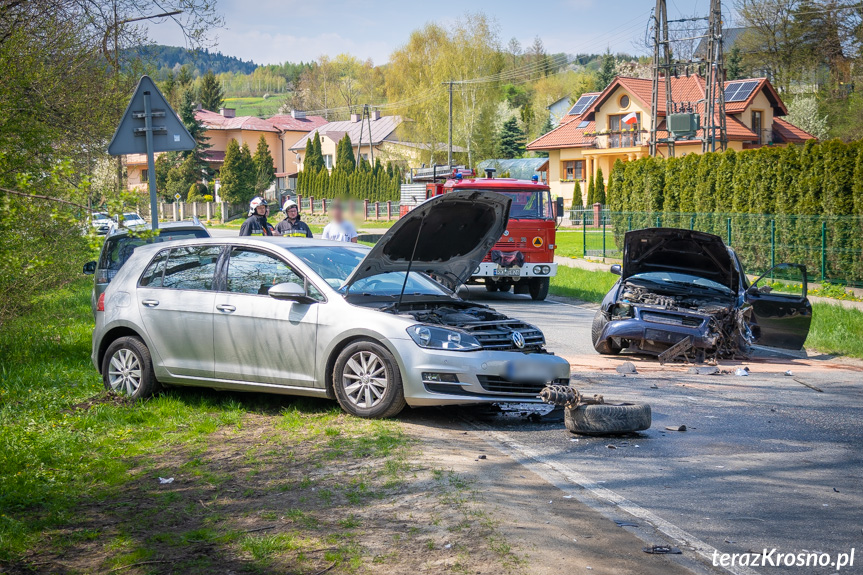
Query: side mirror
[(289, 291), (90, 268), (616, 269), (558, 207)]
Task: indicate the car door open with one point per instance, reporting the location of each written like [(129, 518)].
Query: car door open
[(781, 312), (259, 338)]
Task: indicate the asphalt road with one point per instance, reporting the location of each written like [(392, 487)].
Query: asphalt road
[(767, 461)]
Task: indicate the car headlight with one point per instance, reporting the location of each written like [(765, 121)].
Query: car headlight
[(622, 311), (441, 338)]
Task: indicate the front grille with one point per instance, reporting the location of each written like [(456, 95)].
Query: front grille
[(671, 319), (498, 384), (497, 335)]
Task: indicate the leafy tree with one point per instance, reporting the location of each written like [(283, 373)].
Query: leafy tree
[(211, 94), (733, 68), (181, 177), (803, 112), (184, 77), (511, 141), (599, 188), (238, 174), (265, 170), (607, 71)]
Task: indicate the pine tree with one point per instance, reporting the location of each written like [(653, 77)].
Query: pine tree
[(577, 201), (599, 188), (211, 94), (591, 192), (733, 70), (238, 174), (317, 156), (181, 177), (169, 89), (308, 163), (606, 71), (265, 171), (511, 140), (345, 160), (197, 131), (184, 78)]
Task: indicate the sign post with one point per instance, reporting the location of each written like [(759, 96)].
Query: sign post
[(170, 135)]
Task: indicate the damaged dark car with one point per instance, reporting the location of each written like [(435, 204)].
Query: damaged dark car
[(685, 293)]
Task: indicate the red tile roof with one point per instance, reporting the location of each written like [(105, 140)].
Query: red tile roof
[(790, 133), (567, 135), (278, 123)]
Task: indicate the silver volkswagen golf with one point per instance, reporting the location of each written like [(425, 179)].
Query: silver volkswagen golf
[(367, 327)]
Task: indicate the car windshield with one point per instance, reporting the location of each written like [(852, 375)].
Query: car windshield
[(100, 216), (335, 264), (679, 280), (132, 218), (527, 204)]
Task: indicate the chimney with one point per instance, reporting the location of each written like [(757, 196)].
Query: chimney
[(198, 107), (298, 114), (376, 115), (355, 118), (228, 112)]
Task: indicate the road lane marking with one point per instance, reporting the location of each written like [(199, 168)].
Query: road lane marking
[(525, 455)]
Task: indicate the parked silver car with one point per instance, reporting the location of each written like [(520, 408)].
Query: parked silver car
[(368, 327)]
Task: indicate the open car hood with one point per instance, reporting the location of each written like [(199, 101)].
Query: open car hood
[(680, 251), (452, 233)]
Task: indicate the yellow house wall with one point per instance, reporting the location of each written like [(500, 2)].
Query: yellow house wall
[(760, 102)]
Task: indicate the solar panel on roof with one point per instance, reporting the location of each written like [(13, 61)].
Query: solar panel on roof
[(582, 104), (740, 91), (583, 124)]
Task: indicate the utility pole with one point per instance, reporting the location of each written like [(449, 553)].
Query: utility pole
[(715, 90), (449, 154), (368, 115), (661, 64)]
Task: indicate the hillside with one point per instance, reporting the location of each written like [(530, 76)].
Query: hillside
[(199, 61)]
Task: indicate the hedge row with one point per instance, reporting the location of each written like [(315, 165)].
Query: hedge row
[(373, 185), (797, 188)]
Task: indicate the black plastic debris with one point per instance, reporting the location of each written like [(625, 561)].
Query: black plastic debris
[(662, 550)]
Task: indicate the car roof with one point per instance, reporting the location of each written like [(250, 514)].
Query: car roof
[(286, 243), (166, 226)]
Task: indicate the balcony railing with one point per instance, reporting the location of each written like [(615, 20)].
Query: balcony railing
[(619, 139)]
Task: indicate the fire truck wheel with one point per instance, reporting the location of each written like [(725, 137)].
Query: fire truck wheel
[(504, 286), (490, 286), (538, 288)]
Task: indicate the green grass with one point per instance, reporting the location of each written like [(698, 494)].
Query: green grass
[(581, 284), (256, 105), (570, 243), (836, 330)]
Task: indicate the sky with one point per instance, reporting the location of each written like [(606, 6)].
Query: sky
[(273, 31)]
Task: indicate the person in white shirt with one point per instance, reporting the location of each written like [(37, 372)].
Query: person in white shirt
[(339, 229)]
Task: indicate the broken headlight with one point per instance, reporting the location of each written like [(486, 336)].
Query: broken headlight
[(621, 311), (440, 338)]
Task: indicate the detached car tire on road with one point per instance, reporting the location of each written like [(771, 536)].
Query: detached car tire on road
[(608, 418)]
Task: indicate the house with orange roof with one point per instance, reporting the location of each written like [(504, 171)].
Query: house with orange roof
[(281, 132), (614, 124)]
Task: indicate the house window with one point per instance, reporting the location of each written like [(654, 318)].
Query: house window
[(145, 176), (757, 126), (328, 161), (573, 170), (624, 101)]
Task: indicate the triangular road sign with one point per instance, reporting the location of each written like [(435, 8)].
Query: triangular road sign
[(169, 133)]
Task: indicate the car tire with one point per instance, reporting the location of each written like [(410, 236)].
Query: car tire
[(127, 369), (603, 346), (490, 286), (607, 418), (373, 397), (539, 288)]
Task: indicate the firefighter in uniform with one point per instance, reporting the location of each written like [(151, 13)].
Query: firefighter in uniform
[(257, 224), (292, 225)]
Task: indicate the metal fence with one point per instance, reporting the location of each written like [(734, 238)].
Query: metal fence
[(831, 247)]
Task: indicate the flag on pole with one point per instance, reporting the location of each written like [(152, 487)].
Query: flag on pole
[(630, 118)]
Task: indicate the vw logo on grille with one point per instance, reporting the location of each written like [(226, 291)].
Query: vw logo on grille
[(518, 339)]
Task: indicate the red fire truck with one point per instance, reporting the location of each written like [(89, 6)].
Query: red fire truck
[(523, 258)]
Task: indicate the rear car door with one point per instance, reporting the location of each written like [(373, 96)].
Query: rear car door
[(259, 339), (781, 312), (176, 298)]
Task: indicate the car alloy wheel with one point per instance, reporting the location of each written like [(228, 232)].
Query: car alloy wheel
[(365, 379), (124, 372)]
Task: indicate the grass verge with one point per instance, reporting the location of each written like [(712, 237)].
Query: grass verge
[(581, 284)]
